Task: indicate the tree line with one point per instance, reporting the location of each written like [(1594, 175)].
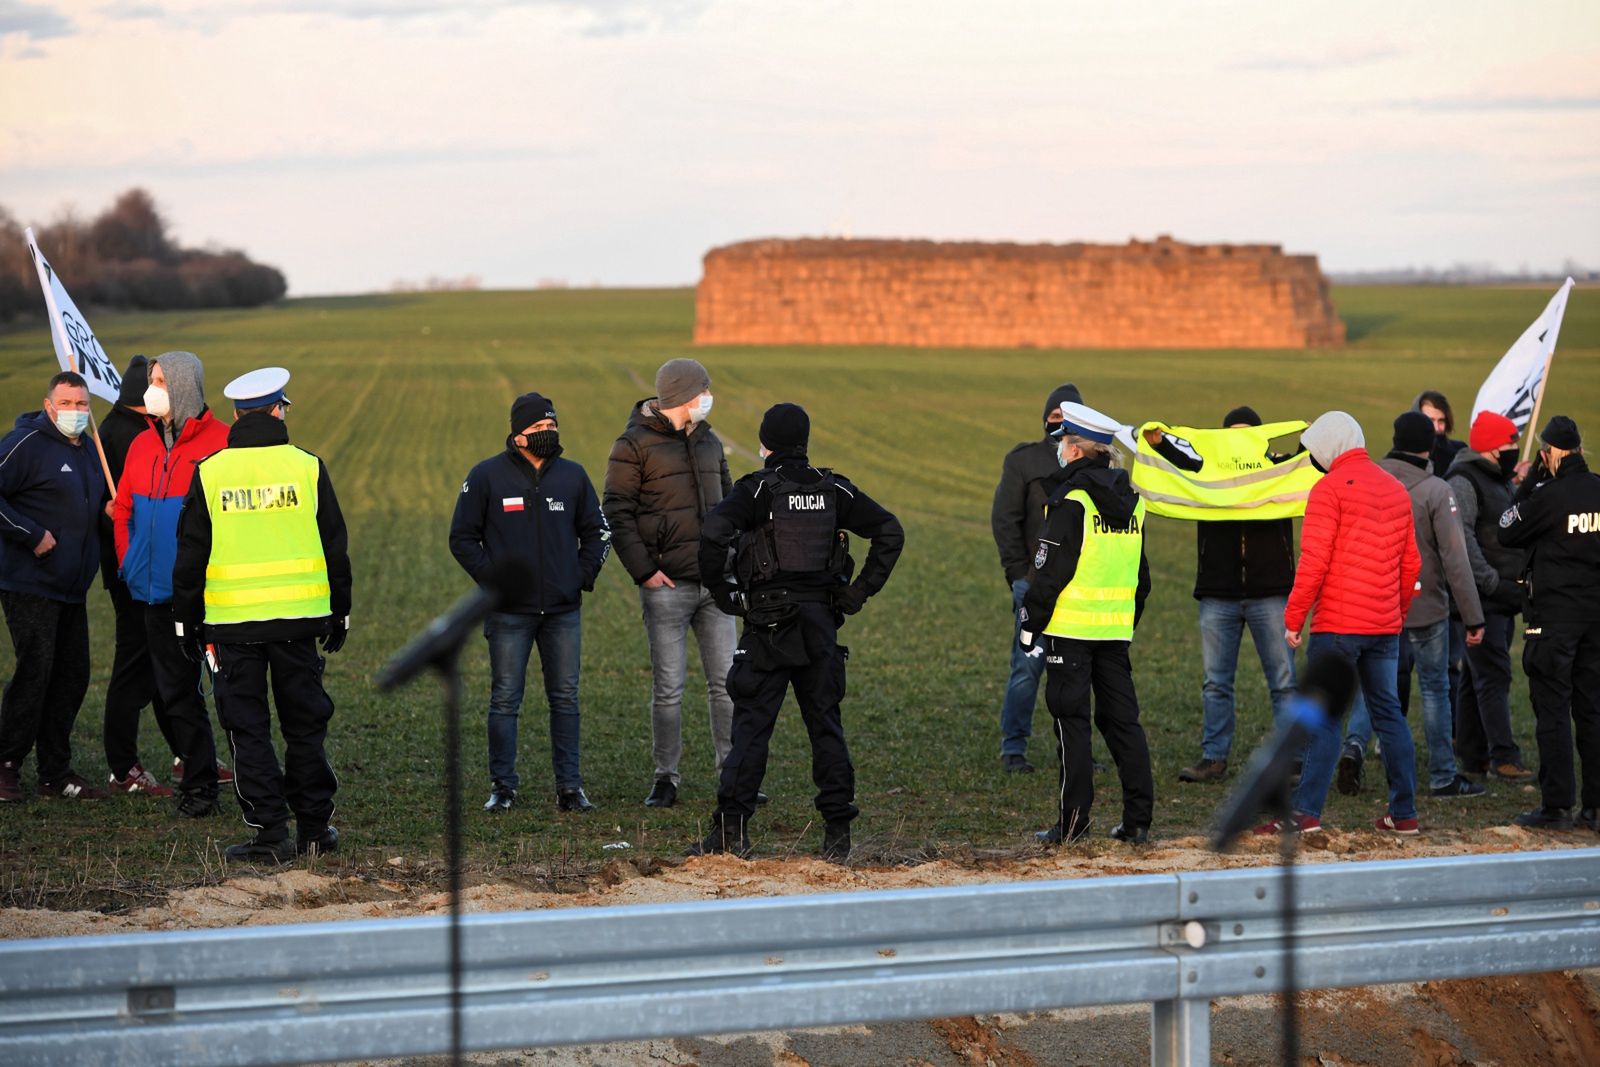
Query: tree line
[(125, 258)]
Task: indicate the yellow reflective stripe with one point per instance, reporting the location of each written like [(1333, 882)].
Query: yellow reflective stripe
[(238, 572), (239, 598), (1110, 592), (1087, 619)]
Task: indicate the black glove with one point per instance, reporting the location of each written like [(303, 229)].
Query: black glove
[(193, 649), (333, 640), (849, 599), (728, 599)]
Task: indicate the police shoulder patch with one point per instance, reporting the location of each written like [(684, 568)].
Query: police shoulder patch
[(1510, 516), (1040, 556)]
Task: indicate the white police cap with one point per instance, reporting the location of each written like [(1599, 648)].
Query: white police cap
[(259, 388), (1080, 420)]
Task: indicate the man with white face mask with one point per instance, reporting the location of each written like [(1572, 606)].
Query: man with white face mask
[(51, 494), (665, 473), (156, 475)]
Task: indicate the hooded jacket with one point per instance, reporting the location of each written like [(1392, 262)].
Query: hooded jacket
[(660, 484), (549, 518), (1441, 546), (1061, 542), (47, 483), (150, 495), (1028, 476), (1558, 522), (1483, 494), (1358, 550)]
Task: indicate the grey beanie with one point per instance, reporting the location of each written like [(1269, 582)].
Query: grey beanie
[(1331, 436), (680, 381), (186, 385)]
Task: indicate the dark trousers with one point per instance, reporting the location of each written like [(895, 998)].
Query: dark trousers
[(132, 686), (41, 702), (178, 683), (757, 691), (1073, 670), (1483, 704), (306, 784), (1562, 662)]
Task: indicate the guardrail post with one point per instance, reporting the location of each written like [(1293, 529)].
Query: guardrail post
[(1180, 1033)]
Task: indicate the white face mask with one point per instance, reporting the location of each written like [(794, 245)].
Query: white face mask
[(764, 453), (72, 423), (157, 402), (700, 408)]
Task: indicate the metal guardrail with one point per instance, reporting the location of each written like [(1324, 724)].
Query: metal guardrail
[(322, 992)]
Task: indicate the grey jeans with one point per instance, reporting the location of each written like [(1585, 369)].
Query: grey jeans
[(669, 613)]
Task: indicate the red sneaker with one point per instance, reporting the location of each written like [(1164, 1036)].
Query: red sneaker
[(10, 782), (138, 780), (71, 787), (223, 774), (1403, 827), (1304, 824)]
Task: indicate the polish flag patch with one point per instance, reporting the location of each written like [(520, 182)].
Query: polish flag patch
[(511, 503)]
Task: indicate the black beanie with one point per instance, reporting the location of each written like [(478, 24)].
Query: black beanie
[(1413, 432), (1561, 432), (1062, 394), (530, 408), (135, 380), (1243, 413), (784, 427)]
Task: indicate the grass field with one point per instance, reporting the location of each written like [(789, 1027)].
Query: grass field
[(402, 394)]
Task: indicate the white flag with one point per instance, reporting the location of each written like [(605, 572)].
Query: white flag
[(76, 346), (1513, 388)]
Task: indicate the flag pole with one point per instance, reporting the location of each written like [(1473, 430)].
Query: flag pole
[(1533, 420)]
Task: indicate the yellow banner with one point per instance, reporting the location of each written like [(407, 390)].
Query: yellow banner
[(1206, 474)]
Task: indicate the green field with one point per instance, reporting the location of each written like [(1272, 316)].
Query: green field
[(402, 394)]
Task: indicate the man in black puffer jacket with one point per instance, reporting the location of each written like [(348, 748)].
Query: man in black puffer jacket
[(665, 473), (1028, 476)]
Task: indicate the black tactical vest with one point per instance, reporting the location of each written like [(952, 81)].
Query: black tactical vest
[(801, 532)]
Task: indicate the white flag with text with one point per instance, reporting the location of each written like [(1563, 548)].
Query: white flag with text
[(76, 346), (1513, 388)]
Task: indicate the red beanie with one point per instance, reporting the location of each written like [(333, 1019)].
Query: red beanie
[(1491, 431)]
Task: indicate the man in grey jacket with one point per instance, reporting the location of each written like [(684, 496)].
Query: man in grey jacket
[(1443, 548)]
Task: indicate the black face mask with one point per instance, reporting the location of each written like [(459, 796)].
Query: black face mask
[(1052, 429), (1508, 462), (1320, 468), (542, 443)]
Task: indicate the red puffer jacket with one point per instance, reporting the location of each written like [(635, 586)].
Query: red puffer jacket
[(1358, 552)]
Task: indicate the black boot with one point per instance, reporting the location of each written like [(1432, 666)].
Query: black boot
[(318, 840), (573, 800), (259, 849), (836, 841), (1066, 831), (662, 795), (1133, 835), (727, 835)]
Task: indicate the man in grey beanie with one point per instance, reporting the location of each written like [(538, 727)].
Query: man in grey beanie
[(665, 474)]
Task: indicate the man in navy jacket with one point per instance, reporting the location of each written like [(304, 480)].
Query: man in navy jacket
[(52, 494), (531, 505)]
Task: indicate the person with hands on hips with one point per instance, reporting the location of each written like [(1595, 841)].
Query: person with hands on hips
[(788, 521), (1085, 595), (262, 576)]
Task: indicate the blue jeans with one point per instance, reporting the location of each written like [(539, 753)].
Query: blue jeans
[(1022, 688), (1430, 652), (1222, 623), (1376, 660), (669, 614), (511, 639)]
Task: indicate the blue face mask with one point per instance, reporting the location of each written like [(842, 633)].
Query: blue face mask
[(72, 423), (1061, 456)]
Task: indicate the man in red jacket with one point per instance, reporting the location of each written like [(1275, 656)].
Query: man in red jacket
[(1359, 567)]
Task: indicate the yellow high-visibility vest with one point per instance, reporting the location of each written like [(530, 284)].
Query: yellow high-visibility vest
[(1237, 479), (1097, 605), (266, 554)]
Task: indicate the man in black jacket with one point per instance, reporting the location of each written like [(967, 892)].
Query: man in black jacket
[(665, 472), (530, 504), (261, 575), (795, 586), (1244, 571), (1027, 478), (1556, 517), (133, 679)]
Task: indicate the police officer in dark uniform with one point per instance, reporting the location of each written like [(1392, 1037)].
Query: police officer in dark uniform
[(263, 574), (793, 588), (1556, 517)]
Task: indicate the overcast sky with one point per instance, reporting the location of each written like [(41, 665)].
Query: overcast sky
[(356, 143)]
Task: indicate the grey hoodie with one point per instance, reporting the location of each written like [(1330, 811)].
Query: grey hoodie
[(1331, 436), (1441, 542), (186, 386)]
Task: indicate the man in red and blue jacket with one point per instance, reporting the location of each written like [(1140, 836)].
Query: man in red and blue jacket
[(155, 477)]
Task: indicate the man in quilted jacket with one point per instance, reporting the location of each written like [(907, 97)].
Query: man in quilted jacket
[(1357, 574)]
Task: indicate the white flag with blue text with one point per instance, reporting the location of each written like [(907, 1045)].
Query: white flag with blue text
[(1513, 388), (76, 346)]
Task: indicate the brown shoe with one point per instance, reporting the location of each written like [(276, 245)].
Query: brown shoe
[(10, 782), (71, 787), (1510, 772), (1207, 770)]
